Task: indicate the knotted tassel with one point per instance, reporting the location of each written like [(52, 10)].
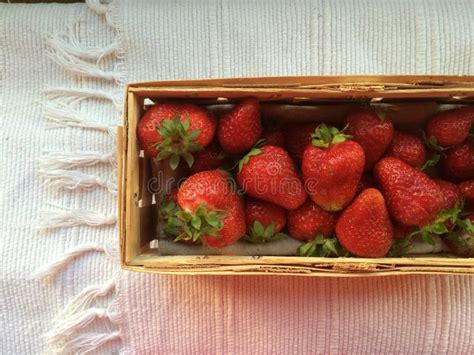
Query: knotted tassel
[(52, 269), (50, 219)]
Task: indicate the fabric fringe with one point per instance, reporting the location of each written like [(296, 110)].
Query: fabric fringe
[(88, 342), (85, 299), (68, 42), (68, 95), (76, 58), (74, 179), (79, 321), (64, 115), (66, 217), (68, 334), (52, 269), (70, 160)]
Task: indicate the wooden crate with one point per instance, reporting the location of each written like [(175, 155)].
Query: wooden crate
[(325, 98)]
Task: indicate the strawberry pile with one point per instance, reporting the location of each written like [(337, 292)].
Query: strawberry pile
[(365, 189)]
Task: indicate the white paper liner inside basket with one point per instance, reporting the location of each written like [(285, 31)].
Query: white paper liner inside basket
[(283, 247)]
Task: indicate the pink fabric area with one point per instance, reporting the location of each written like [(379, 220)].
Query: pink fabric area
[(294, 315)]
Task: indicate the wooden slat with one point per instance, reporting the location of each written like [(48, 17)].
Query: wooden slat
[(132, 215)]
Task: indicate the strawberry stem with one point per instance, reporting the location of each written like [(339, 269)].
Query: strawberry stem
[(431, 143), (432, 161), (177, 141), (324, 136)]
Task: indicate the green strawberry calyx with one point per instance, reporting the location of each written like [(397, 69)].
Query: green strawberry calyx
[(381, 109), (259, 234), (322, 247), (200, 223), (433, 160), (253, 152), (465, 225), (438, 226), (461, 240), (325, 135), (400, 247), (177, 141), (171, 225), (436, 151), (432, 143)]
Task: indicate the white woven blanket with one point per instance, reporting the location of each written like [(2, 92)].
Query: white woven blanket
[(62, 71)]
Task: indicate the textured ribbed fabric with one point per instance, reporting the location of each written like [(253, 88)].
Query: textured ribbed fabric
[(294, 315), (298, 315), (27, 308), (190, 39)]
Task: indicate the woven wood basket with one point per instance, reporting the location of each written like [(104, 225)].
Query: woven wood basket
[(327, 98)]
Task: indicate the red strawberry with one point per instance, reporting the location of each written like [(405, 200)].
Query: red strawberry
[(212, 210), (374, 132), (309, 220), (240, 128), (174, 129), (458, 163), (450, 127), (364, 228), (332, 168), (413, 199), (407, 147), (274, 137), (297, 137), (264, 220), (268, 173), (467, 192), (210, 158), (451, 193)]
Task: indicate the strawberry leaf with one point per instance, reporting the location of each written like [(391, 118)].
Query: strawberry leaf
[(427, 238), (201, 223), (258, 227), (466, 225), (322, 247), (188, 158), (176, 141), (330, 248), (270, 230), (400, 247), (174, 161), (194, 134), (432, 143), (253, 152), (303, 250), (381, 114), (171, 226), (325, 135), (432, 161), (259, 234), (186, 123)]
